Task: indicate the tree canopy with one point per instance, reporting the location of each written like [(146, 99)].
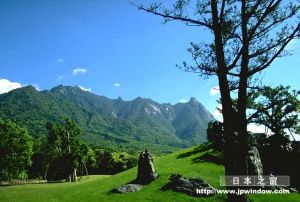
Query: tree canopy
[(15, 151), (65, 147), (276, 108)]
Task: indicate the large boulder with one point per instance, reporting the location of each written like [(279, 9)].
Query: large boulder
[(191, 186), (255, 166), (123, 189), (146, 170)]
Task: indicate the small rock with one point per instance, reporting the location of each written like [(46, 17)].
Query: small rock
[(189, 185), (123, 189)]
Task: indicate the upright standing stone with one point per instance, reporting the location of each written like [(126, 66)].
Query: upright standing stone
[(255, 166), (146, 170)]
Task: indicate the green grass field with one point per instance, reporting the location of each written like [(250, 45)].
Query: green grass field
[(187, 162)]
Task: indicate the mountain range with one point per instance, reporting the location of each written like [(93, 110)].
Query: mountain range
[(128, 125)]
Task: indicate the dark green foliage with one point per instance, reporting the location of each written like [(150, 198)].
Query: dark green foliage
[(215, 134), (113, 124), (108, 162), (88, 159), (276, 108), (62, 155), (66, 149), (41, 159), (15, 151)]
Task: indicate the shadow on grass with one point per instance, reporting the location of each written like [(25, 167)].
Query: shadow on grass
[(5, 185), (24, 183), (210, 156), (40, 182), (199, 149), (134, 181), (166, 187)]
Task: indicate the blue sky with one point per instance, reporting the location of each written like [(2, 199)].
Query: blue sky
[(110, 48)]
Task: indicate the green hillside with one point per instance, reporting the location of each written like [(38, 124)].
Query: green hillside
[(113, 123), (189, 162)]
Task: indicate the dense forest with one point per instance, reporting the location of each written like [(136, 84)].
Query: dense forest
[(61, 155)]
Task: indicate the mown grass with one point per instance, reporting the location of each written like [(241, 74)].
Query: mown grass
[(97, 188)]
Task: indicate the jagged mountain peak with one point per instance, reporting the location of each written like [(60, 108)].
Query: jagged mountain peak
[(120, 99), (141, 119), (67, 89), (193, 100)]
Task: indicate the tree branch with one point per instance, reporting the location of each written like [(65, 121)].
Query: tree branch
[(222, 11), (183, 19), (262, 67), (268, 10)]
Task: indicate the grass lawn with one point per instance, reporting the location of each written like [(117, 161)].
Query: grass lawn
[(187, 162)]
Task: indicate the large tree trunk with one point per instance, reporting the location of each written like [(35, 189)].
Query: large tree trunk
[(230, 118), (242, 97)]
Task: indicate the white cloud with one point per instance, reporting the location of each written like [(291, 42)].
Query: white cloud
[(59, 60), (117, 85), (59, 78), (218, 113), (85, 89), (214, 90), (79, 70), (6, 85), (182, 100), (256, 128)]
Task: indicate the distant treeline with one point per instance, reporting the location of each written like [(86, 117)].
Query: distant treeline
[(61, 155)]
